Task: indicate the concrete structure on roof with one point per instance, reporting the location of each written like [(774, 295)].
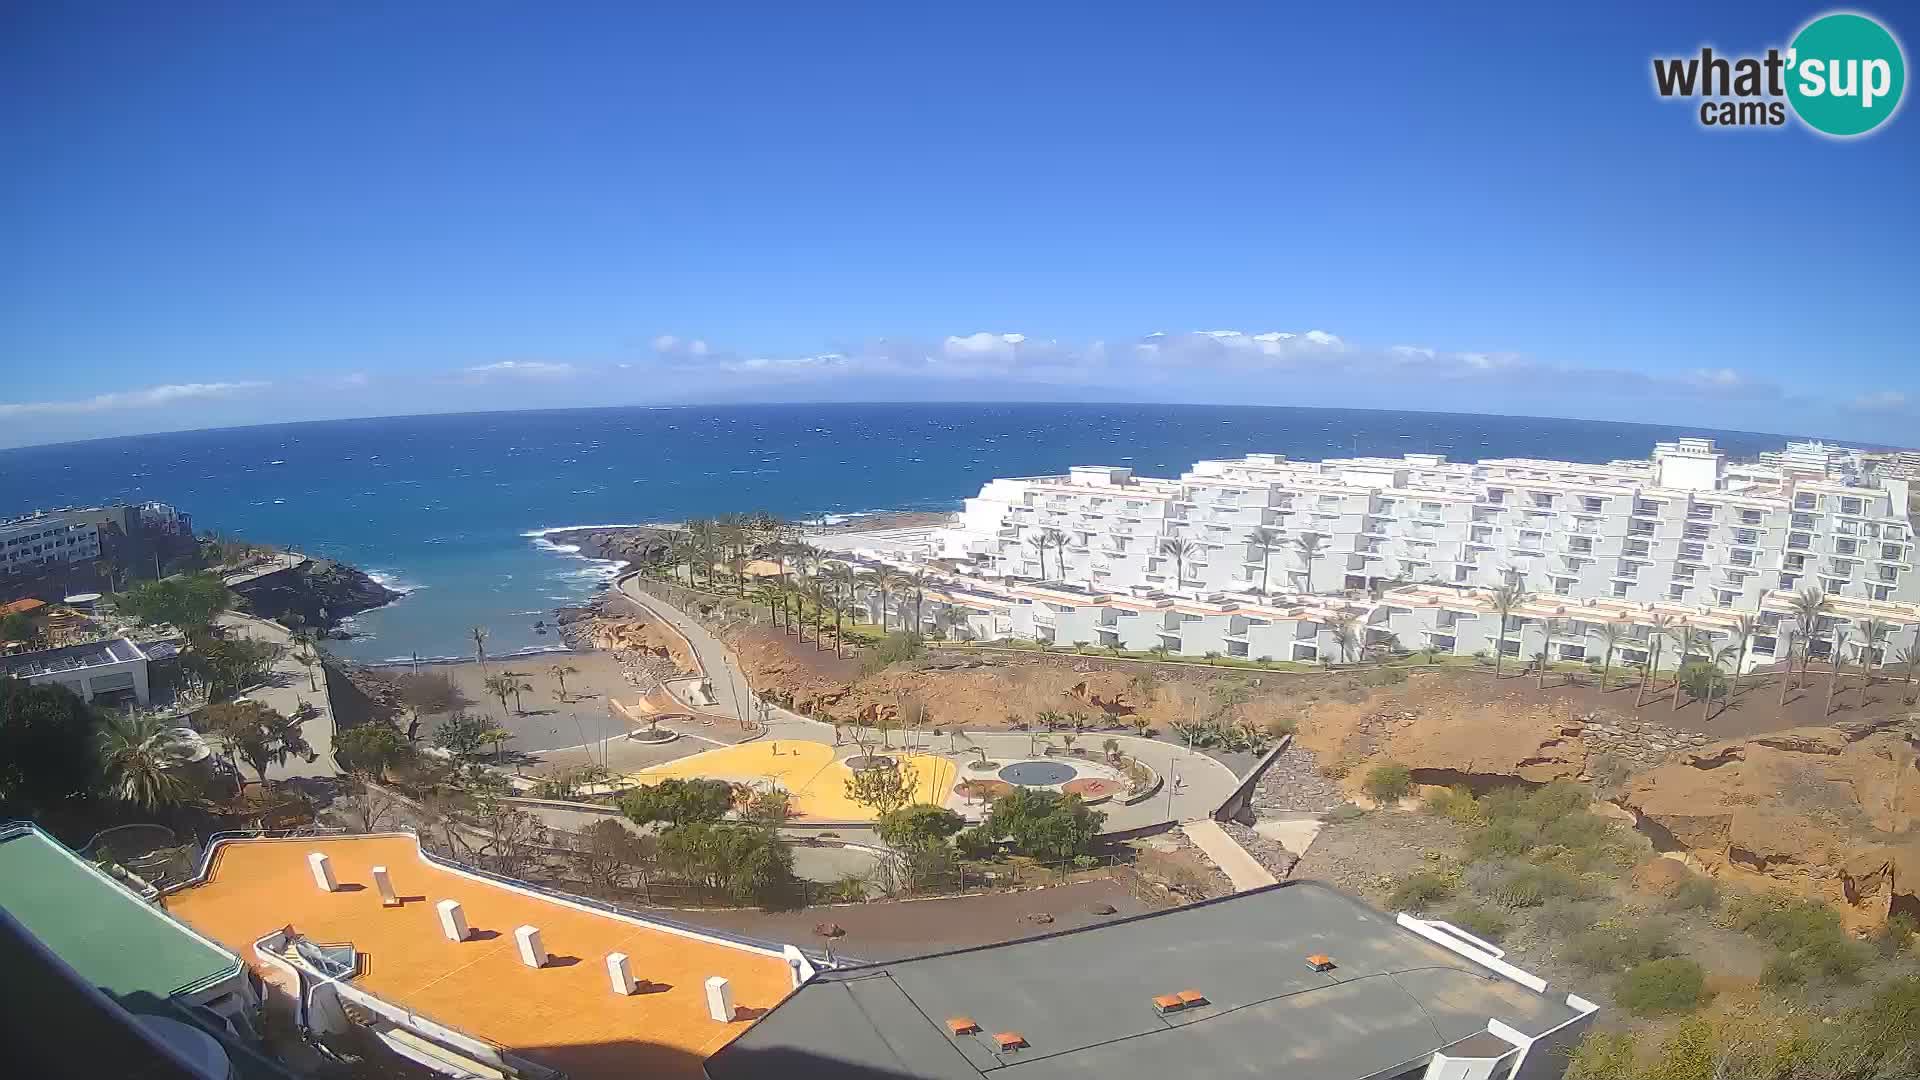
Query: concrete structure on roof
[(476, 1004), (135, 953), (1294, 979), (114, 670)]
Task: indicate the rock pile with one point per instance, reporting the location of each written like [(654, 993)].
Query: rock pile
[(1294, 782), (1277, 859)]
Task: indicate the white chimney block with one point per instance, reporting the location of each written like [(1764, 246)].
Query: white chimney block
[(453, 921), (322, 868), (532, 953), (720, 999), (388, 898), (620, 973)]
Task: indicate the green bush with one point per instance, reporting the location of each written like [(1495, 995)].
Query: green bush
[(679, 802), (1669, 985), (1806, 930), (1563, 919), (1480, 920), (1456, 804), (1695, 894), (1532, 886), (1419, 891), (974, 843), (1895, 934), (1782, 970), (897, 646), (1503, 838), (1388, 783), (1604, 948), (1345, 812)]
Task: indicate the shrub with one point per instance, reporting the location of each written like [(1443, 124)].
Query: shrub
[(1695, 894), (1456, 804), (895, 647), (1612, 948), (1668, 985), (679, 802), (973, 843), (1532, 886), (1388, 783), (1511, 837), (1044, 824), (1806, 930), (1895, 934), (1420, 890), (1479, 920), (1783, 970), (1563, 919)]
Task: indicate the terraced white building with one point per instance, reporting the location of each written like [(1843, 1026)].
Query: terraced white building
[(1411, 547)]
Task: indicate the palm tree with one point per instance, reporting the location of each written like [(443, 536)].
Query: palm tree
[(303, 651), (1786, 677), (139, 756), (1611, 635), (1345, 636), (479, 636), (1909, 658), (849, 583), (916, 583), (1809, 604), (884, 580), (683, 550), (1308, 545), (1658, 627), (558, 673), (1872, 633), (500, 686), (1266, 540), (1039, 543), (1057, 540), (1179, 551), (1744, 629), (1505, 599), (1683, 641), (1840, 636), (704, 535)]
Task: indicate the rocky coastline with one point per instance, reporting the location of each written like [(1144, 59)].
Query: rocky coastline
[(317, 595)]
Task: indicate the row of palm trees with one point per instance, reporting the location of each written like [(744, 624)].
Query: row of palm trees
[(1696, 648)]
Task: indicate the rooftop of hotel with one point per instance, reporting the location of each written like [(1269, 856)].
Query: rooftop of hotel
[(69, 658), (562, 1015), (1083, 1001), (101, 930)]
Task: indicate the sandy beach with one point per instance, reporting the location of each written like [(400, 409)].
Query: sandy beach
[(549, 722)]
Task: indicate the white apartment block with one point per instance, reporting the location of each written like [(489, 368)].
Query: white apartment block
[(1411, 547), (36, 542)]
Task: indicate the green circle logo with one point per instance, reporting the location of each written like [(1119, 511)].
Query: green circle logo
[(1845, 74)]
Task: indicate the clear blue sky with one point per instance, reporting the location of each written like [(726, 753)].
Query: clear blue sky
[(233, 213)]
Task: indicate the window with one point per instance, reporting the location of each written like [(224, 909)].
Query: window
[(1843, 546), (1745, 536), (1563, 586), (1787, 581), (1843, 566), (1805, 501), (1696, 532), (1676, 592), (1883, 592), (1750, 517), (1460, 571), (1593, 504), (1628, 570), (1619, 589), (1637, 548), (1542, 499), (1891, 552), (1799, 541), (1741, 557), (1889, 573), (1727, 598), (1833, 585), (1581, 544), (1642, 506), (1850, 506)]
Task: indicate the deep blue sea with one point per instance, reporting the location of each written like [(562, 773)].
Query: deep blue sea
[(450, 508)]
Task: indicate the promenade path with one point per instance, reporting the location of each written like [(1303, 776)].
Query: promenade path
[(286, 687), (1193, 784)]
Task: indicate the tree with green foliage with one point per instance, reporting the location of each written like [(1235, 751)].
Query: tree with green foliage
[(428, 692), (369, 749), (18, 627), (611, 855), (883, 787), (1671, 984), (140, 759), (188, 601), (259, 735), (896, 647), (228, 665), (465, 736), (1044, 824), (47, 750), (677, 802), (913, 827), (742, 862), (1506, 599)]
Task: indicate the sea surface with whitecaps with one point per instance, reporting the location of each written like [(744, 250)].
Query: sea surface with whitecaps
[(454, 509)]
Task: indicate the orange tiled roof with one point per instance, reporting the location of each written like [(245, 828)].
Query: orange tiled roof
[(563, 1015), (21, 607)]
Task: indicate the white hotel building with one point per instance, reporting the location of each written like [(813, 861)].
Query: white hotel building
[(1410, 546)]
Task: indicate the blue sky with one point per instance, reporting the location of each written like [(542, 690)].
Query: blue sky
[(219, 214)]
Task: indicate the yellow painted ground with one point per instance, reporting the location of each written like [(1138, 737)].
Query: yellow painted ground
[(808, 772)]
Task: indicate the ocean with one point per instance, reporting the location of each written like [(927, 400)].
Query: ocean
[(452, 509)]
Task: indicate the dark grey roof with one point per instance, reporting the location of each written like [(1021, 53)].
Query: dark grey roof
[(1083, 999)]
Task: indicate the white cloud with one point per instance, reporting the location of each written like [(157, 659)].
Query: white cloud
[(150, 398), (1881, 401), (523, 369)]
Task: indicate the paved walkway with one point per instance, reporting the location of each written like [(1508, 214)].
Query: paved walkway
[(285, 689), (1229, 856)]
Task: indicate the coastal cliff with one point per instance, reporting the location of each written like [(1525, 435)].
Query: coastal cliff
[(636, 546), (318, 594)]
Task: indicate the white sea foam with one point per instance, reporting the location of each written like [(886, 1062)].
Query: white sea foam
[(573, 528), (391, 579)]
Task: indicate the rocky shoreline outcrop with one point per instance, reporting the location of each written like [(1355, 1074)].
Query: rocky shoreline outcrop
[(637, 546), (316, 595)]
